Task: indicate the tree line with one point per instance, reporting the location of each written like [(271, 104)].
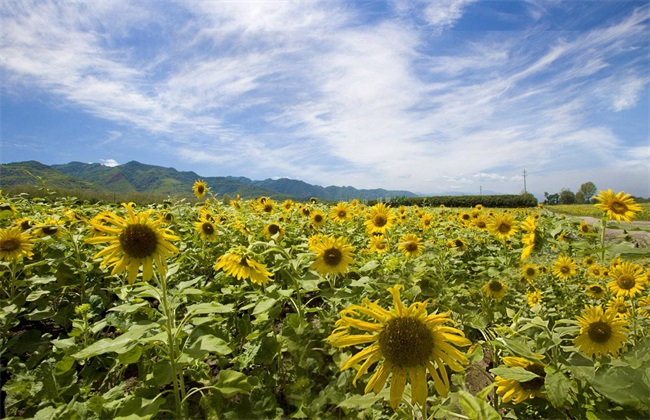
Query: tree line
[(583, 196)]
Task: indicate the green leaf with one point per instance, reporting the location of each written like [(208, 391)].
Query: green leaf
[(625, 386), (360, 402), (130, 356), (477, 409), (264, 306), (369, 266), (208, 344), (209, 308), (231, 382), (162, 372), (139, 408), (519, 347), (516, 373), (557, 386), (129, 307)]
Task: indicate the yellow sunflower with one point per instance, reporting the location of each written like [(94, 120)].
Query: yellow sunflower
[(14, 243), (378, 243), (241, 266), (317, 219), (596, 290), (266, 205), (333, 255), (598, 270), (495, 289), (50, 227), (24, 223), (287, 205), (480, 222), (516, 391), (502, 225), (457, 243), (534, 298), (340, 212), (426, 221), (133, 241), (206, 228), (564, 267), (644, 307), (410, 245), (588, 261), (629, 279), (380, 219), (618, 206), (585, 227), (620, 306), (600, 332), (200, 188), (529, 272), (273, 229), (407, 341)]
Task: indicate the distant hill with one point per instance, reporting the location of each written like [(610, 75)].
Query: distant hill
[(136, 177)]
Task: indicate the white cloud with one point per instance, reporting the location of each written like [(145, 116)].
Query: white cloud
[(109, 162)]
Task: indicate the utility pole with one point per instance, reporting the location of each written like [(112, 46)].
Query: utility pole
[(480, 189), (525, 192)]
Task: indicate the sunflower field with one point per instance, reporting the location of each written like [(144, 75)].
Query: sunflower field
[(256, 309)]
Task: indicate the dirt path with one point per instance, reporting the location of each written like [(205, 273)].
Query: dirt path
[(641, 238)]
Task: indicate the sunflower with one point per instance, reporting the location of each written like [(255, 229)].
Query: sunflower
[(426, 221), (620, 306), (598, 270), (200, 188), (503, 225), (585, 227), (644, 307), (333, 255), (317, 219), (206, 228), (629, 279), (267, 205), (564, 267), (411, 245), (241, 266), (618, 206), (465, 218), (407, 341), (529, 272), (287, 205), (588, 261), (14, 243), (24, 223), (600, 332), (378, 243), (480, 222), (273, 229), (134, 241), (50, 227), (596, 290), (340, 212), (380, 219), (516, 391), (495, 289), (457, 243), (534, 298)]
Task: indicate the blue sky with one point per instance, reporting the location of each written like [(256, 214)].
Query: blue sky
[(428, 96)]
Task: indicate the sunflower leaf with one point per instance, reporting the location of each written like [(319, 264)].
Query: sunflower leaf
[(557, 386), (515, 373)]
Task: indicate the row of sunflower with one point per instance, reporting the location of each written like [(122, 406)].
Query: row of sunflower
[(265, 309)]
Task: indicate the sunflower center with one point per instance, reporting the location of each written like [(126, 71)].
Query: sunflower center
[(618, 207), (49, 230), (25, 224), (332, 256), (411, 247), (535, 383), (318, 218), (342, 214), (273, 229), (480, 225), (9, 245), (138, 240), (495, 286), (599, 332), (565, 269), (379, 220), (200, 189), (268, 208), (530, 271), (406, 342), (504, 227), (626, 282), (243, 262), (458, 243), (596, 289), (207, 228)]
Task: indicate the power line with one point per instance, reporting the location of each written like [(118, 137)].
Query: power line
[(525, 192)]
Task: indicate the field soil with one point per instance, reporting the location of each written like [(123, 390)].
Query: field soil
[(626, 232)]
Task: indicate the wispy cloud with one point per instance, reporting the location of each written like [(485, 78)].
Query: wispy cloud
[(321, 92)]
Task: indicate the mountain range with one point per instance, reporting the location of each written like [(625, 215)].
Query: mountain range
[(136, 177)]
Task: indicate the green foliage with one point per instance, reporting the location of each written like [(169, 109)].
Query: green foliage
[(492, 201)]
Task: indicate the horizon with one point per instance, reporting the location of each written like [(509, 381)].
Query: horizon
[(427, 97)]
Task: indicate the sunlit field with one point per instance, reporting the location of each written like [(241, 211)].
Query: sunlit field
[(253, 309)]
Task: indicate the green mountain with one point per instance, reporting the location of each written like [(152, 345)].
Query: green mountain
[(136, 177)]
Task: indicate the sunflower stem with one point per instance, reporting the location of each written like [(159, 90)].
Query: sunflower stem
[(602, 239), (177, 380)]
